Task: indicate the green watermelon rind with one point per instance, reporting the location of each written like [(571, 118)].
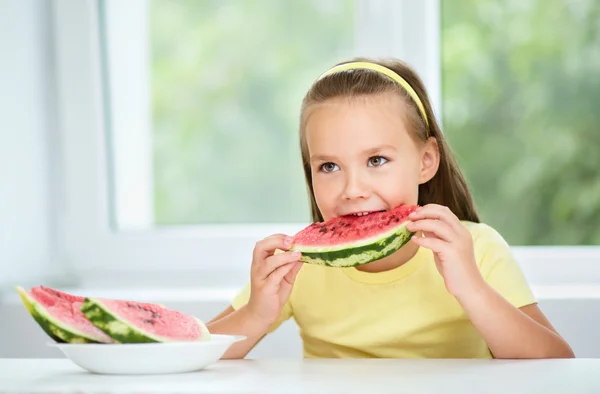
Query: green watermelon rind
[(357, 253), (51, 326), (102, 317)]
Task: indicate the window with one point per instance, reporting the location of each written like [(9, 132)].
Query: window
[(202, 102), (169, 120), (521, 95)]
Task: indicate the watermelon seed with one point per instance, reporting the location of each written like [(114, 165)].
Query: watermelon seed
[(323, 230), (149, 321)]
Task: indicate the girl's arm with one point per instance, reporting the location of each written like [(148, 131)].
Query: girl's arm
[(238, 322), (509, 332)]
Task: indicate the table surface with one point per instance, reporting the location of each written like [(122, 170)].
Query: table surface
[(318, 376)]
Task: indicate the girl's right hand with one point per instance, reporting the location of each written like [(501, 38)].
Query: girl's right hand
[(272, 277)]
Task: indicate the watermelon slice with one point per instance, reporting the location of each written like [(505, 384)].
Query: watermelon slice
[(60, 316), (352, 240), (133, 322)]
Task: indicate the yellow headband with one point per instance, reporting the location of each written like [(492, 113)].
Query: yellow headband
[(385, 71)]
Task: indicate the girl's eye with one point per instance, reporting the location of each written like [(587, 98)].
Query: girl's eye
[(329, 167), (377, 161)]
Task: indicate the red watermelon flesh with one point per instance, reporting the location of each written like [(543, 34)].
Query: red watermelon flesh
[(158, 322), (73, 298), (59, 294)]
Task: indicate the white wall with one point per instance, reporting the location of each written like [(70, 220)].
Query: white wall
[(27, 134)]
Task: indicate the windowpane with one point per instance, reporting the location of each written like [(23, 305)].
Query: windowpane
[(227, 81), (521, 100), (216, 87)]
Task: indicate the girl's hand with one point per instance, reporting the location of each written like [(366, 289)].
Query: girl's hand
[(452, 247), (272, 277)]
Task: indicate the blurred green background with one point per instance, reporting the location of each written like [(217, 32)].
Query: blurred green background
[(228, 78), (521, 108)]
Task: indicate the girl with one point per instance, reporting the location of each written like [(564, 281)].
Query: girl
[(370, 142)]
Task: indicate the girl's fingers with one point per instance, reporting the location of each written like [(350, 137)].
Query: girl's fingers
[(439, 212), (291, 276), (280, 273), (434, 244), (274, 262), (436, 227), (267, 246)]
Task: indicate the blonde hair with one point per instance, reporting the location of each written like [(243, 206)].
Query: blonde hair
[(448, 186)]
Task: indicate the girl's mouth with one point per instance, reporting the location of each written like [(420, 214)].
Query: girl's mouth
[(363, 213)]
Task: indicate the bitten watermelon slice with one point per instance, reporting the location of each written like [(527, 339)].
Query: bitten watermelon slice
[(60, 316), (352, 240), (133, 322)]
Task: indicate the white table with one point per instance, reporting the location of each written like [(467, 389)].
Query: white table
[(318, 376)]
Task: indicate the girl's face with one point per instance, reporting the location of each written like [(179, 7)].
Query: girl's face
[(362, 156)]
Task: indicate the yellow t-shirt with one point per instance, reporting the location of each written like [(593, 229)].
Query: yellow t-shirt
[(404, 312)]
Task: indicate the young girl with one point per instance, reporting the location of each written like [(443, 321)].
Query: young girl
[(370, 142)]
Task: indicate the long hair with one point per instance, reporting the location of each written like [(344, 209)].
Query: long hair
[(448, 186)]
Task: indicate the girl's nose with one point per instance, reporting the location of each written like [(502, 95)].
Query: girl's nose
[(355, 187)]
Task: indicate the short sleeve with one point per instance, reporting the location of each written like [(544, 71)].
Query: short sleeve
[(500, 268), (243, 297)]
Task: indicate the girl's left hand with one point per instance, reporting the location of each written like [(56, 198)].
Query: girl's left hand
[(452, 247)]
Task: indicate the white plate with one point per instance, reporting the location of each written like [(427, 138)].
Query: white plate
[(148, 358)]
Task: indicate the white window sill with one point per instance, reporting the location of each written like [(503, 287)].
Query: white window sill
[(226, 294), (567, 291)]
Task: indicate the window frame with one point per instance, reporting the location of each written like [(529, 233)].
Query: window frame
[(200, 255)]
